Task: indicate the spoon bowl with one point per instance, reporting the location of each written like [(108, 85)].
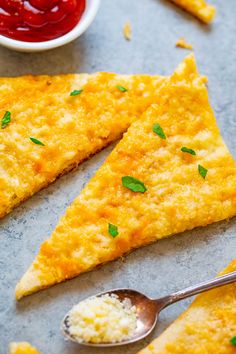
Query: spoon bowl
[(147, 310)]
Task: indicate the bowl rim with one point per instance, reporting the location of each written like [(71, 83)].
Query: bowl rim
[(87, 18)]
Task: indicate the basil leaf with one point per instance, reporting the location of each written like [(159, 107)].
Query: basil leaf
[(133, 184), (113, 230), (158, 130), (122, 88), (6, 119), (189, 151), (76, 92), (233, 341), (202, 171), (36, 141)]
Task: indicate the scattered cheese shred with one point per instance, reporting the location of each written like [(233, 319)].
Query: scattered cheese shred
[(206, 327), (22, 348), (127, 31), (198, 8), (181, 43), (103, 319)]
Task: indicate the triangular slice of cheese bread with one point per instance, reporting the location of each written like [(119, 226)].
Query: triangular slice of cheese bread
[(22, 348), (199, 8), (177, 198), (72, 128), (207, 326)]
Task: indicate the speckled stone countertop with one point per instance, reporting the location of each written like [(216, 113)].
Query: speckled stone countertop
[(157, 269)]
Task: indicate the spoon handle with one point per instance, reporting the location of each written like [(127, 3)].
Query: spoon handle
[(199, 288)]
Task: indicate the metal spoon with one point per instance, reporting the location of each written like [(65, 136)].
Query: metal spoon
[(149, 309)]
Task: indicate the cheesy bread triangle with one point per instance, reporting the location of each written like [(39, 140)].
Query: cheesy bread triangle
[(22, 348), (198, 8), (177, 197), (207, 326), (71, 128)]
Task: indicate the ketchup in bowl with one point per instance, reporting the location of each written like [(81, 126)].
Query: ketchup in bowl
[(39, 20)]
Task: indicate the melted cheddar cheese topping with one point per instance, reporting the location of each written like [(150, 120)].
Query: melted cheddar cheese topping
[(177, 197), (71, 127), (205, 327), (22, 348), (198, 8)]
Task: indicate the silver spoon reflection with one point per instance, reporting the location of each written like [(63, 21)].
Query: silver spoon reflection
[(147, 310)]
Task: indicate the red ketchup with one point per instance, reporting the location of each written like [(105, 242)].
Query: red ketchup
[(39, 20)]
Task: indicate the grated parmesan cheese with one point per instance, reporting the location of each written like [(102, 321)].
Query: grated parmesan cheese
[(103, 319)]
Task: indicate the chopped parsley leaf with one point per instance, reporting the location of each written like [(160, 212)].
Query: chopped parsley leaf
[(36, 141), (122, 88), (202, 171), (233, 341), (133, 184), (76, 92), (113, 230), (158, 130), (189, 151), (6, 119)]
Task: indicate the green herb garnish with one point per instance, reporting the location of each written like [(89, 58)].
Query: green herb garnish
[(6, 119), (36, 141), (233, 341), (202, 171), (113, 230), (133, 184), (76, 92), (189, 151), (158, 130), (122, 88)]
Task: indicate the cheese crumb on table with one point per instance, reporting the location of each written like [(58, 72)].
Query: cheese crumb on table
[(127, 31), (102, 319), (181, 43)]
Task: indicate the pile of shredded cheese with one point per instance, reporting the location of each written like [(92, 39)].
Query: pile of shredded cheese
[(103, 319)]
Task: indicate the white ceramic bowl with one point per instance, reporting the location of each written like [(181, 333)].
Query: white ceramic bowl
[(87, 18)]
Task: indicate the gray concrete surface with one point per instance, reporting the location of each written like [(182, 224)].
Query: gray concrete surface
[(157, 269)]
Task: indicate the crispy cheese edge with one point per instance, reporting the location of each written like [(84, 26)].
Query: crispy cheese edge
[(198, 8)]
